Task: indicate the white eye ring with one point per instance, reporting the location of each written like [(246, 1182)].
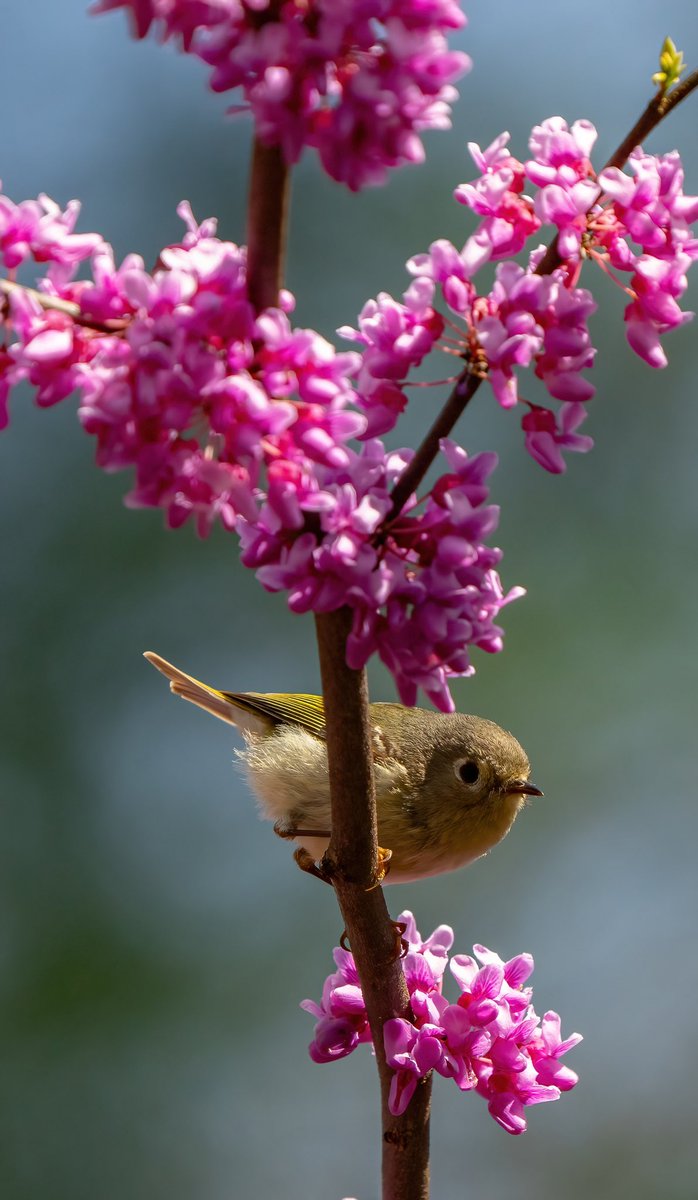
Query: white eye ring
[(467, 771)]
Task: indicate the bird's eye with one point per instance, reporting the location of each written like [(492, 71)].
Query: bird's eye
[(467, 770)]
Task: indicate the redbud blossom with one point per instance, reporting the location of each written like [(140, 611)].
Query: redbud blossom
[(528, 320), (489, 1041), (358, 81), (231, 416)]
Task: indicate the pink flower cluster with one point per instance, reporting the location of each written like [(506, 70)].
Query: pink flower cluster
[(423, 593), (358, 81), (528, 320), (229, 416), (182, 381), (490, 1041), (239, 417), (651, 211)]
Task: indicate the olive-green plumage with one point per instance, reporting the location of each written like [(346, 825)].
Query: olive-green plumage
[(448, 786)]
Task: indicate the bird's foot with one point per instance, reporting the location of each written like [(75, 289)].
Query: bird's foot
[(384, 857), (322, 870), (307, 863), (401, 944)]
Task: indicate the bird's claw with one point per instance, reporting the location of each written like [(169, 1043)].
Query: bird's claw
[(307, 863), (402, 946)]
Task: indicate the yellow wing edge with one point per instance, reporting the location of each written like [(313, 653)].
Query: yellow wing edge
[(295, 709)]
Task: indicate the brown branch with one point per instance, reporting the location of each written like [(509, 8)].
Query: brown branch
[(352, 855), (678, 93), (267, 219), (413, 474), (352, 861)]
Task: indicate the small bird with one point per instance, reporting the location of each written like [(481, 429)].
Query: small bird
[(448, 786)]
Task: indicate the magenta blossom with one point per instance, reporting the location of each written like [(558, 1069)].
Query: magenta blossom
[(422, 594), (38, 229), (547, 437), (526, 321), (342, 1018), (651, 211), (490, 1041), (235, 416), (239, 418), (508, 216), (358, 81)]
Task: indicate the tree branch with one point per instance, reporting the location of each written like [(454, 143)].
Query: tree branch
[(352, 855), (413, 474), (352, 862), (267, 218)]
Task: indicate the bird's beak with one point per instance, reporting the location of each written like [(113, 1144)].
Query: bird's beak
[(521, 787)]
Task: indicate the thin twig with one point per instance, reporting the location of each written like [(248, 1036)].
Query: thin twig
[(413, 474), (67, 307)]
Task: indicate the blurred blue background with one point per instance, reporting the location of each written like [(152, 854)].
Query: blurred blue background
[(155, 937)]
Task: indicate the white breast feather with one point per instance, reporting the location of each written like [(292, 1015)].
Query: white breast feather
[(288, 773)]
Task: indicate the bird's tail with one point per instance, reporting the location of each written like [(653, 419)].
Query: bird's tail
[(215, 702)]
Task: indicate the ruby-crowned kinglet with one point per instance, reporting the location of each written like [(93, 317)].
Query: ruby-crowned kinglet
[(448, 786)]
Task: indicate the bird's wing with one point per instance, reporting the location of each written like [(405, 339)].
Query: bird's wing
[(282, 709), (252, 712)]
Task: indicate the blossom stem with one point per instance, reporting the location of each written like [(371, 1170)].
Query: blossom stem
[(658, 108), (415, 471), (67, 307), (352, 862), (267, 220)]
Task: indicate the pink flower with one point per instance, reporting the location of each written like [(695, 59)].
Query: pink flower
[(38, 229), (443, 594), (490, 1041), (412, 1053), (526, 320), (396, 337), (343, 1022), (562, 170), (652, 207), (548, 434), (423, 593), (546, 1050), (652, 211), (537, 319), (509, 219), (359, 82)]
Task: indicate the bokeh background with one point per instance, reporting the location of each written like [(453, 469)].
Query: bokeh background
[(155, 938)]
